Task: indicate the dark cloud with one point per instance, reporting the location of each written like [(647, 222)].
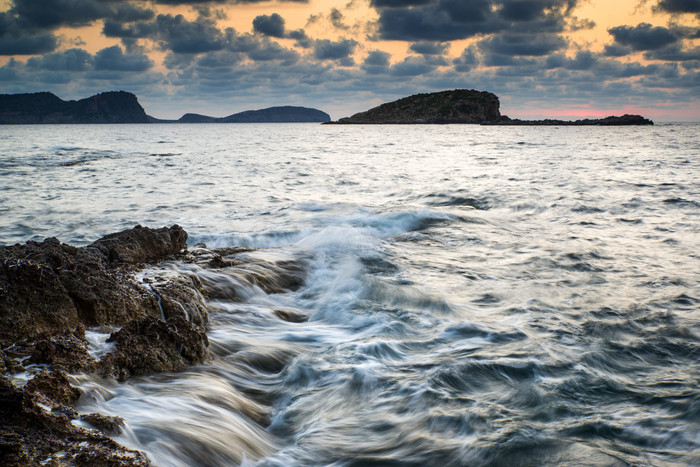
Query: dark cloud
[(114, 59), (183, 36), (68, 60), (336, 18), (399, 3), (268, 50), (412, 66), (446, 20), (644, 36), (673, 53), (325, 49), (130, 31), (19, 43), (221, 59), (220, 2), (52, 14), (429, 48), (518, 44), (678, 6), (272, 25), (616, 50), (583, 60), (302, 40), (467, 61)]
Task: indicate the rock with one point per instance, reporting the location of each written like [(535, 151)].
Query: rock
[(52, 388), (141, 245), (31, 436), (45, 107), (456, 106), (181, 296), (67, 351), (49, 287), (153, 346), (104, 423)]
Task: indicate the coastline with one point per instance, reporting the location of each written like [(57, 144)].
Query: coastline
[(53, 293)]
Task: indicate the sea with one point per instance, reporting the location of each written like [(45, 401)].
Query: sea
[(472, 295)]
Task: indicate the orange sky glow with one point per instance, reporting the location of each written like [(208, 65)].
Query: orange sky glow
[(593, 59)]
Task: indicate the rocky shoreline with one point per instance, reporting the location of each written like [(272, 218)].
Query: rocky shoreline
[(51, 292)]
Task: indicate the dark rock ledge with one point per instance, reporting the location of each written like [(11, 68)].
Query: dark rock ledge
[(51, 292)]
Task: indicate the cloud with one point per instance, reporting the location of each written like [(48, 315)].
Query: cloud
[(68, 60), (429, 48), (325, 49), (644, 36), (678, 6), (376, 62), (183, 36), (446, 20), (272, 25), (18, 43), (519, 44), (467, 61), (673, 53), (114, 59), (412, 66)]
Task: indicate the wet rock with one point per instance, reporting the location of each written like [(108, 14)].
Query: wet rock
[(31, 436), (104, 423), (32, 298), (181, 296), (52, 389), (67, 351), (141, 244), (153, 346), (50, 287), (8, 364)]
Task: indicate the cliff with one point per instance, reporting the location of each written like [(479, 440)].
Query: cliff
[(45, 107), (456, 106), (285, 114)]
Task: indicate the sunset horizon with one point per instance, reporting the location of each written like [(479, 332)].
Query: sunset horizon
[(543, 58)]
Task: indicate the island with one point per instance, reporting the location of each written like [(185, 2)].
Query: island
[(464, 106), (45, 107), (123, 107), (283, 114)]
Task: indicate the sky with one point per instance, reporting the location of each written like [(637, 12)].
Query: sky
[(543, 58)]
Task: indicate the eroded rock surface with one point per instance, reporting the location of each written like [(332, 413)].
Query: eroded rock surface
[(142, 286)]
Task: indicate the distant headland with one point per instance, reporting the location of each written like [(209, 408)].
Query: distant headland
[(454, 106), (123, 107), (463, 106)]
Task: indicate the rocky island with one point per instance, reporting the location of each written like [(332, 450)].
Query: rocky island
[(45, 107), (51, 293), (456, 106), (284, 114), (123, 107), (463, 106)]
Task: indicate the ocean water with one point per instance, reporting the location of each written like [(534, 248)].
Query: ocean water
[(474, 295)]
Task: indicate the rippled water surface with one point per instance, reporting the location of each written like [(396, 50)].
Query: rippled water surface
[(474, 295)]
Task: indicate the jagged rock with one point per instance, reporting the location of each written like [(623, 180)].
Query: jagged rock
[(67, 351), (104, 423), (153, 346), (181, 296), (52, 388), (31, 436), (456, 106), (141, 244), (50, 287)]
